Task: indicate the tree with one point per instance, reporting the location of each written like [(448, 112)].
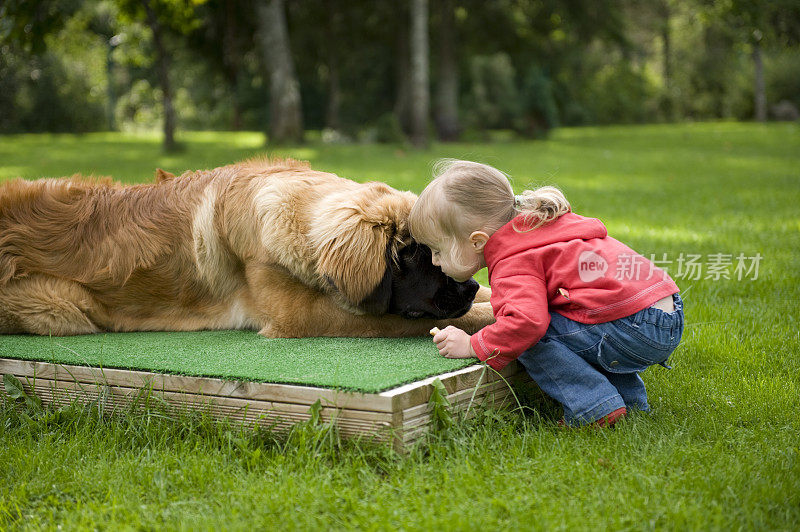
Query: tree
[(104, 24), (559, 41), (286, 119), (28, 23), (446, 112), (759, 87), (332, 34), (420, 96), (761, 21), (224, 41), (162, 66), (402, 69), (163, 17)]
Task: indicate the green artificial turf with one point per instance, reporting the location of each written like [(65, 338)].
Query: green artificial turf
[(359, 364)]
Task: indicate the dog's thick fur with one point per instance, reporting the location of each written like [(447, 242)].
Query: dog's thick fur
[(267, 245)]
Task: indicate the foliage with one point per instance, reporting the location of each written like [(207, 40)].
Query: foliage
[(525, 65), (58, 89), (28, 24), (139, 107), (620, 95), (177, 15), (39, 93), (441, 417), (493, 101), (14, 390), (387, 129), (539, 108), (783, 76)]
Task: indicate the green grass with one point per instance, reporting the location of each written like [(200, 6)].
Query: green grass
[(719, 451), (358, 364)]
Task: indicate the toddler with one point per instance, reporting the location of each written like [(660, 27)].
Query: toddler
[(582, 312)]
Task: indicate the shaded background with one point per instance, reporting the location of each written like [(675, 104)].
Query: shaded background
[(386, 71)]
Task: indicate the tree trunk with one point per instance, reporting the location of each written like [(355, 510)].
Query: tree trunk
[(759, 90), (447, 87), (402, 102), (334, 103), (286, 119), (231, 61), (667, 52), (420, 96), (666, 58), (162, 67), (111, 94), (666, 41)]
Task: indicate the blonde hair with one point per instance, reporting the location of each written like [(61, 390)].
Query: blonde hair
[(465, 196)]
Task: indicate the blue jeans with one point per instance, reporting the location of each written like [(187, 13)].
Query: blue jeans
[(593, 370)]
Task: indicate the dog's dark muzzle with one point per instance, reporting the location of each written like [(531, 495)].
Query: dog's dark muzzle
[(452, 300)]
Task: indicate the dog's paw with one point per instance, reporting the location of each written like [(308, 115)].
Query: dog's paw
[(271, 331)]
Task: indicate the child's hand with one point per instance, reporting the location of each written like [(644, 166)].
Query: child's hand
[(452, 342)]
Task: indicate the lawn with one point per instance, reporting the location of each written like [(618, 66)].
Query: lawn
[(717, 204)]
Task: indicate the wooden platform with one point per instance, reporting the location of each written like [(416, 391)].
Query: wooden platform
[(400, 415)]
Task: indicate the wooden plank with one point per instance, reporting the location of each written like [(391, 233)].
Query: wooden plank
[(419, 393), (498, 394), (202, 385), (470, 373), (392, 400), (500, 397), (301, 409), (421, 426), (290, 408), (494, 388), (401, 415), (280, 416)]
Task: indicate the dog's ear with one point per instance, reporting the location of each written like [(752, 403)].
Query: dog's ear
[(351, 235), (377, 302), (163, 175)]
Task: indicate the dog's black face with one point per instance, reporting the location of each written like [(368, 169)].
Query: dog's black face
[(414, 288)]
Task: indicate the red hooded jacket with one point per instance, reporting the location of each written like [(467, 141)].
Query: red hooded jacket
[(570, 266)]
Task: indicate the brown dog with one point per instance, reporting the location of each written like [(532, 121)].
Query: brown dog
[(267, 245)]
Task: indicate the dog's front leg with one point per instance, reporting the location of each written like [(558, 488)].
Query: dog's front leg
[(287, 308), (479, 316), (483, 295)]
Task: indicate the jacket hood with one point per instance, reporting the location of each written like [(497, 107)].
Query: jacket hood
[(513, 238)]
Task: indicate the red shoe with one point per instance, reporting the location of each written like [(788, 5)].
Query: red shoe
[(613, 417), (606, 421)]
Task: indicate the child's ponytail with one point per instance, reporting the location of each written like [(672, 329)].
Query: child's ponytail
[(541, 206)]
